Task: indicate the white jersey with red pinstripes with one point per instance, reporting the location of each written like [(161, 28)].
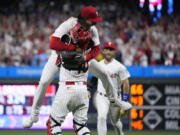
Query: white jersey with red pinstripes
[(117, 73), (65, 28)]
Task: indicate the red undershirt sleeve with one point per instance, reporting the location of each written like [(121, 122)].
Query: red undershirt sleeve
[(95, 51), (58, 45)]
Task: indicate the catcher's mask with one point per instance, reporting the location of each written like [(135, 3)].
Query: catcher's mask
[(80, 35)]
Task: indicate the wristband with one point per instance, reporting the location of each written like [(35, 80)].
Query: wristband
[(125, 97)]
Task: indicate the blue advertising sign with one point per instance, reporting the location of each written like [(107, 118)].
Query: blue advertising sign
[(135, 71), (161, 71), (27, 72), (3, 71)]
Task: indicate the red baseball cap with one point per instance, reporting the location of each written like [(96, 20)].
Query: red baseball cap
[(110, 45), (91, 14)]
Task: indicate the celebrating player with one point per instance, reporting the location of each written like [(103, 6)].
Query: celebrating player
[(119, 75), (85, 20), (76, 27), (58, 44), (49, 72), (72, 94)]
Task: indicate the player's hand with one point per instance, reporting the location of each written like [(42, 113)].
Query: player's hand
[(78, 49), (89, 94)]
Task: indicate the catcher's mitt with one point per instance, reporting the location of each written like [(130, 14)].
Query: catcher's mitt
[(73, 60), (66, 39)]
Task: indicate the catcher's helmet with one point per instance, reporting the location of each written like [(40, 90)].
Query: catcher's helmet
[(80, 34)]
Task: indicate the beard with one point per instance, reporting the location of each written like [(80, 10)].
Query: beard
[(108, 57)]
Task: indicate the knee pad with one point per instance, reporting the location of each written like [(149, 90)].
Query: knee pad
[(53, 127), (81, 129)]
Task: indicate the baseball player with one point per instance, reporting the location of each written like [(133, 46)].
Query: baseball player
[(119, 76), (85, 21), (49, 72), (72, 94)]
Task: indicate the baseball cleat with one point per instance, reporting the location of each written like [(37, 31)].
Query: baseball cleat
[(125, 105), (27, 123), (122, 104)]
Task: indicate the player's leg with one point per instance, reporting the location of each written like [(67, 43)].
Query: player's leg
[(96, 69), (59, 111), (48, 74), (53, 127), (102, 106), (81, 104), (99, 71), (115, 118)]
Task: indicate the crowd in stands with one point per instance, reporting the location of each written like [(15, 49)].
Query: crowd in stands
[(24, 35)]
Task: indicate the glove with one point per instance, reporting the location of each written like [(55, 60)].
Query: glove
[(123, 112), (72, 56), (79, 58), (66, 39), (73, 60)]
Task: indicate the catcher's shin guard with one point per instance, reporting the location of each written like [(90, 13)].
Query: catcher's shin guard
[(53, 127), (81, 129)]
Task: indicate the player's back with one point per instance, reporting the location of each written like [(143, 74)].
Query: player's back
[(72, 75)]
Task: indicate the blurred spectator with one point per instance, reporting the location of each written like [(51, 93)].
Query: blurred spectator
[(24, 33)]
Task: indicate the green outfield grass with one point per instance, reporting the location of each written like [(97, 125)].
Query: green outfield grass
[(43, 132)]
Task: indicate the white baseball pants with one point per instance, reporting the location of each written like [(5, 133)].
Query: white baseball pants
[(98, 71), (48, 74), (103, 106), (71, 98)]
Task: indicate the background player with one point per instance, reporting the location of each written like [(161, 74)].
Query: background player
[(119, 75)]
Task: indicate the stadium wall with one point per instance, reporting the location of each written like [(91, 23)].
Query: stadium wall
[(155, 94)]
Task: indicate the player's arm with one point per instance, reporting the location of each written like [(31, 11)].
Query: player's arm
[(56, 43), (125, 96), (95, 49), (124, 75)]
